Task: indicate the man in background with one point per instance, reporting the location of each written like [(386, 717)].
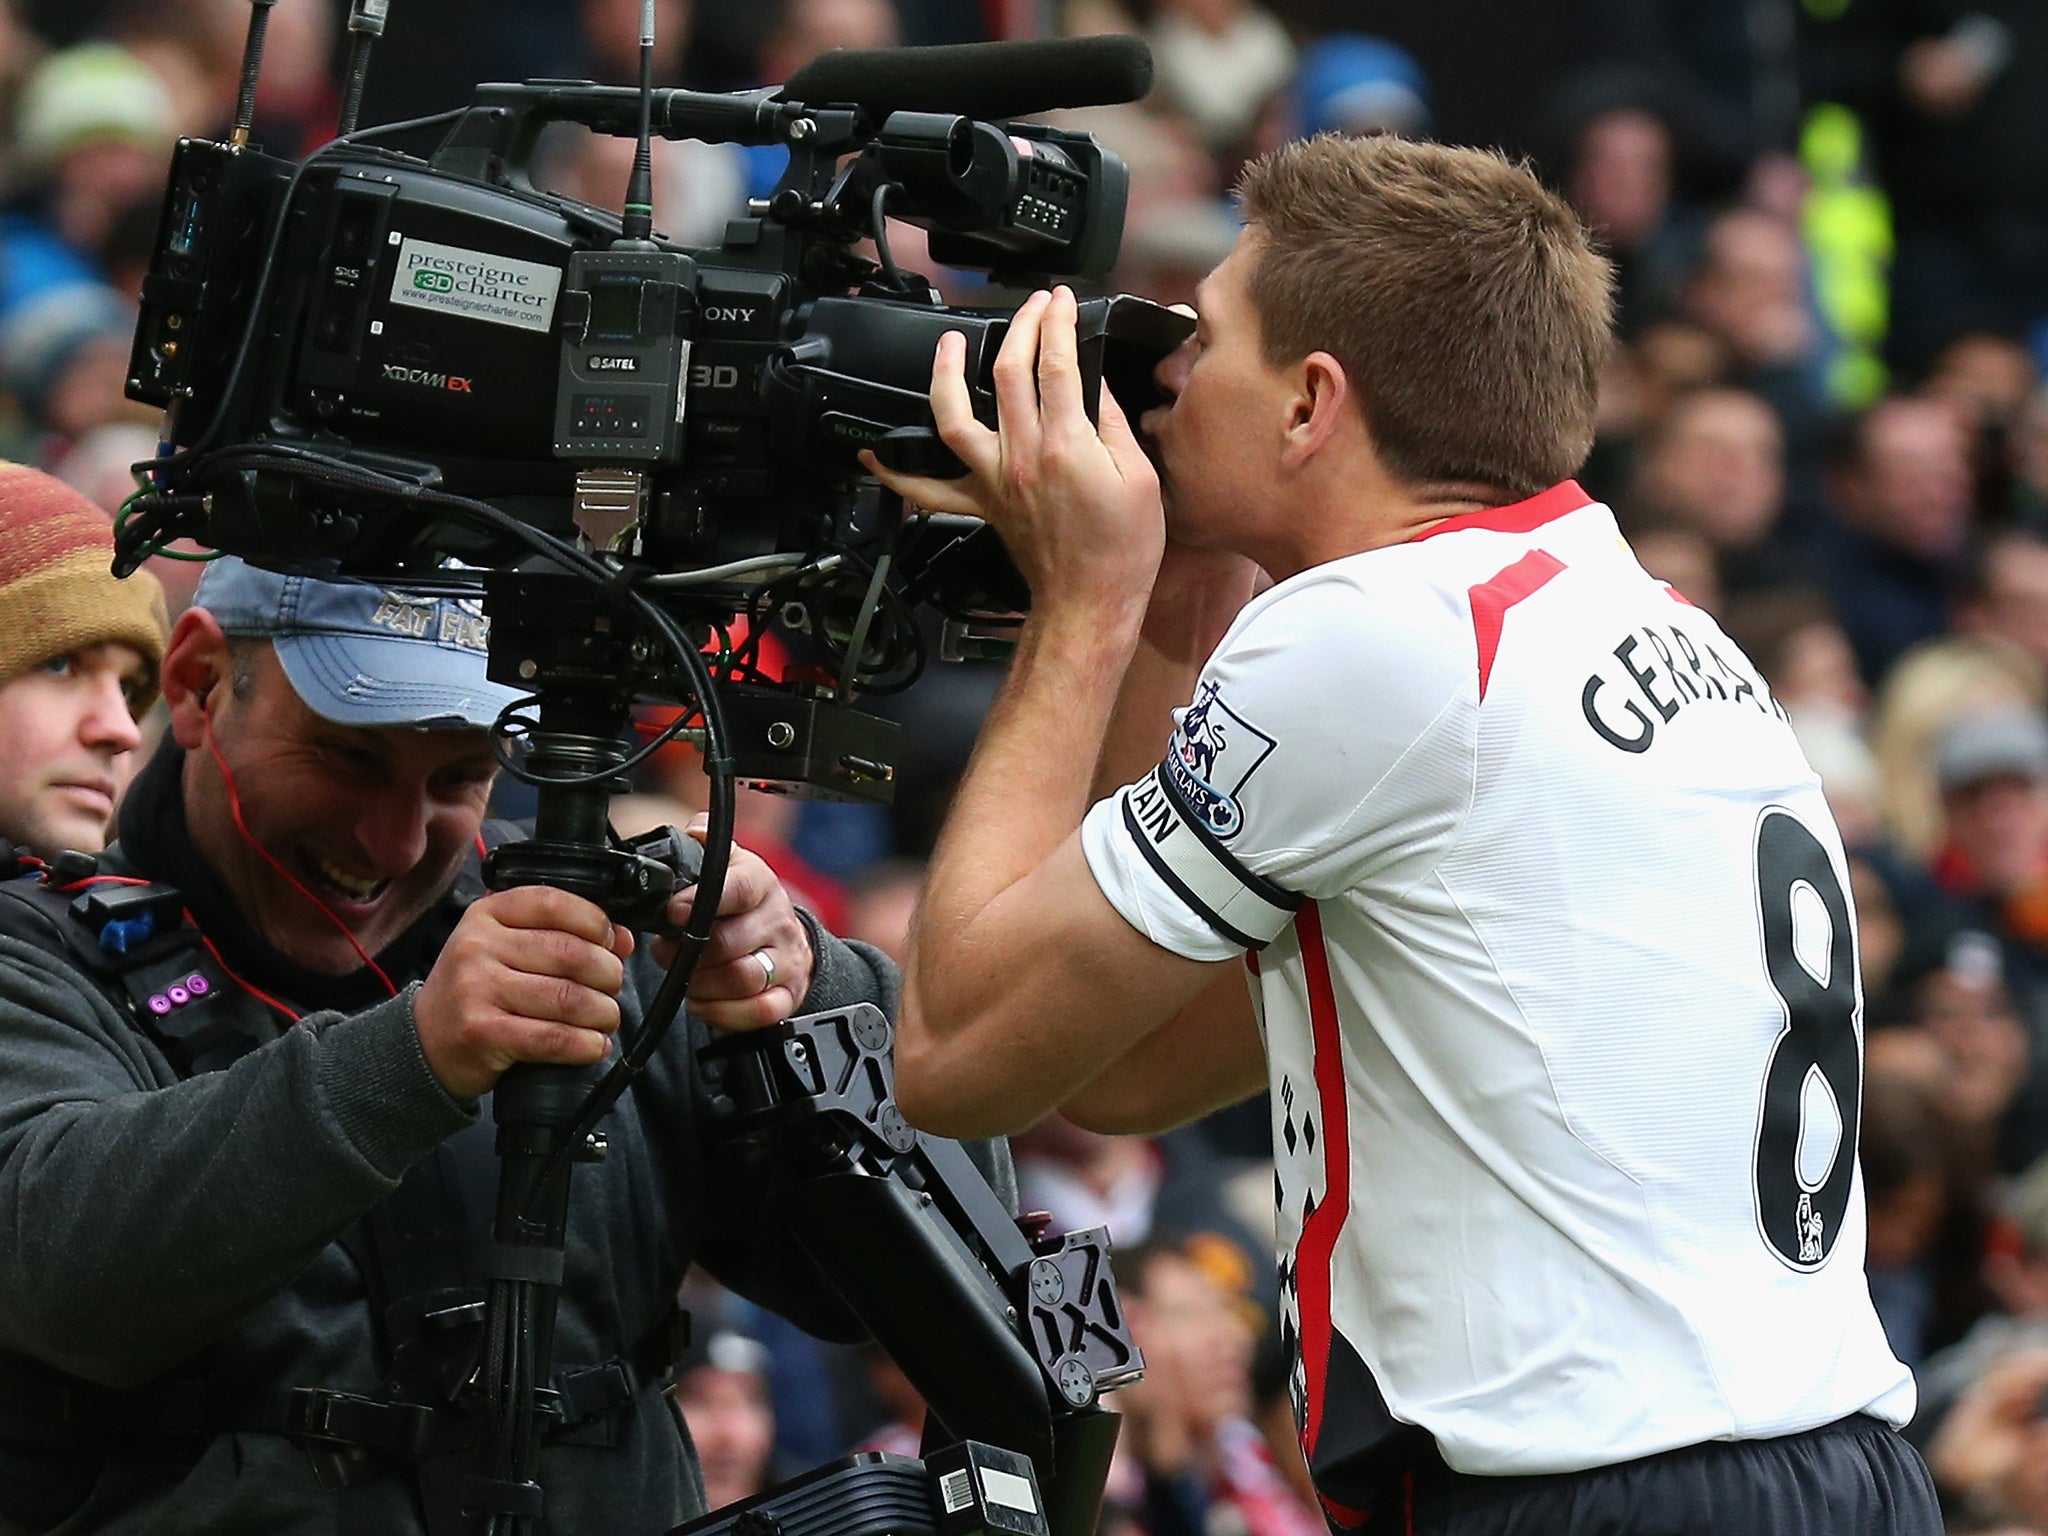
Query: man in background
[(79, 655)]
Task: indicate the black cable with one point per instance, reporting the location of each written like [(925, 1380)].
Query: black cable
[(879, 219), (353, 82), (667, 1003), (502, 733), (725, 647)]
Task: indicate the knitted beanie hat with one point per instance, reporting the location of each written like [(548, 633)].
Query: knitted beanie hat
[(57, 594)]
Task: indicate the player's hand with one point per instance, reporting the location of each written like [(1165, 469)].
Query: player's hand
[(530, 974), (1078, 508), (757, 968)]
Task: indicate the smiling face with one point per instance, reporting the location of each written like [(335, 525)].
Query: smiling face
[(373, 823), (67, 743)]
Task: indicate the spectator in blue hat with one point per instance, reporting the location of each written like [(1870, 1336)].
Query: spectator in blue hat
[(1355, 84), (240, 1124)]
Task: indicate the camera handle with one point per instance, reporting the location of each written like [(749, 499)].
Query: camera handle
[(493, 141), (536, 1107)]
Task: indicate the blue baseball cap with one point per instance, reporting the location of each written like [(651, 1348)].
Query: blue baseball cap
[(1352, 83), (364, 655)]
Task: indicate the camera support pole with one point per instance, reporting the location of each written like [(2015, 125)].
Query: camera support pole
[(577, 653)]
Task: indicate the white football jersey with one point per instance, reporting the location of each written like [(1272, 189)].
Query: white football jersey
[(1552, 949)]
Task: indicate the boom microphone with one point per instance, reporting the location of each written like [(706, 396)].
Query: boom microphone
[(990, 80)]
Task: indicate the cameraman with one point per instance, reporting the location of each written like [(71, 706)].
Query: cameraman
[(278, 1175), (1553, 967)]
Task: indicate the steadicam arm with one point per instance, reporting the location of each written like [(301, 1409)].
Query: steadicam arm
[(1010, 1339)]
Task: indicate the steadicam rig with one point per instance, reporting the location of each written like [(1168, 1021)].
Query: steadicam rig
[(425, 370)]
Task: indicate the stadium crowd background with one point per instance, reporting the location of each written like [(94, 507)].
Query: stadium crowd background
[(1824, 422)]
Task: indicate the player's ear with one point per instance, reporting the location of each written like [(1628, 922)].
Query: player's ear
[(1318, 408)]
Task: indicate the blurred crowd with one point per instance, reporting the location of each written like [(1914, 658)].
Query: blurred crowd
[(1824, 422)]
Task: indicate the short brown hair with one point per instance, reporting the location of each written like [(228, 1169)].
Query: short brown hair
[(1464, 300)]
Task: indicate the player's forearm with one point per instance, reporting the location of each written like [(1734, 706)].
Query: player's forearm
[(1154, 685), (1027, 785), (978, 975)]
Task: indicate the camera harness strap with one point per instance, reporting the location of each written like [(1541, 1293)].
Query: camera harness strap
[(416, 1249)]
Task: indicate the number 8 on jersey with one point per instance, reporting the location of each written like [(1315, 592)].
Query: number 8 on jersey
[(1817, 1064)]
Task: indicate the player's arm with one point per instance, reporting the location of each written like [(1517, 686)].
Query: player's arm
[(1044, 985), (1206, 1057), (1023, 981)]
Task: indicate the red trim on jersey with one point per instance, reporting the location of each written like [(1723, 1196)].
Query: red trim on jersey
[(1342, 1514), (1319, 1233), (1492, 599), (1517, 516), (1678, 596), (1251, 961)]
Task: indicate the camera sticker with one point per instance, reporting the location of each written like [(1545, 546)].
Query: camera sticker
[(475, 285)]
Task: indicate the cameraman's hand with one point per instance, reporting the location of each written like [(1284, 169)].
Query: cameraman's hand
[(757, 968), (1078, 508), (530, 974)]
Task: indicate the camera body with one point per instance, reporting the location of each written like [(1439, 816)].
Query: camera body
[(443, 323)]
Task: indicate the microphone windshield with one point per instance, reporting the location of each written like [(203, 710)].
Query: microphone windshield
[(985, 80)]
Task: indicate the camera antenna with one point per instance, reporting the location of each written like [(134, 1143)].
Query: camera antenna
[(637, 223), (252, 67), (365, 26)]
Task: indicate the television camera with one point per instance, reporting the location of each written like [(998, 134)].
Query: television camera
[(423, 368), (342, 343)]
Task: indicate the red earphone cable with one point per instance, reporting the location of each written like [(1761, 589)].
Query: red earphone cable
[(235, 809), (256, 992)]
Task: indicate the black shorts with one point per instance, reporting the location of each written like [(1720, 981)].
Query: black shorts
[(1855, 1477)]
